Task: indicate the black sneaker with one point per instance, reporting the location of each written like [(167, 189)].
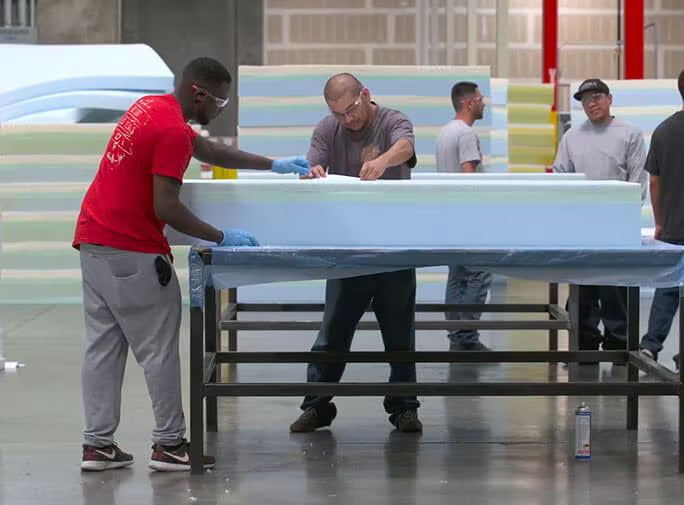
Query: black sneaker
[(676, 360), (175, 458), (96, 459), (408, 422), (311, 420), (468, 346)]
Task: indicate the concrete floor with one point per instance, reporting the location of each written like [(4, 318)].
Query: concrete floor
[(474, 451)]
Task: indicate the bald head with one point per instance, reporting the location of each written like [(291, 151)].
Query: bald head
[(340, 85)]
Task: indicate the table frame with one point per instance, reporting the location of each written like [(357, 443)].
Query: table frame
[(207, 322)]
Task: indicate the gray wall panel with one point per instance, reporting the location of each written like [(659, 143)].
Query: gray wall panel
[(228, 30)]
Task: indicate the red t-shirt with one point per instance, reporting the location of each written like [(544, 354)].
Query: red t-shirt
[(118, 209)]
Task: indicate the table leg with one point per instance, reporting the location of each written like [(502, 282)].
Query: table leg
[(632, 345), (681, 381), (553, 300), (196, 390), (232, 334), (212, 337)]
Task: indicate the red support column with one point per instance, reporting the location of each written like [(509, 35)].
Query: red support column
[(550, 57), (550, 40), (634, 39)]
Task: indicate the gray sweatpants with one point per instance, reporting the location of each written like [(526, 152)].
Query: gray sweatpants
[(126, 306)]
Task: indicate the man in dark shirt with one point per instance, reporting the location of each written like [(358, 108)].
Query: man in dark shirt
[(362, 139), (665, 163)]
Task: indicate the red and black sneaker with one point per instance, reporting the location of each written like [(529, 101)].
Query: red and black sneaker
[(96, 459), (175, 458)]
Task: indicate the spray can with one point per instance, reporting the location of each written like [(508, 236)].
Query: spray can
[(583, 432)]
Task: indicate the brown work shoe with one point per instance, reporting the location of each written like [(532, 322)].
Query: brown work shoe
[(310, 420), (408, 422)]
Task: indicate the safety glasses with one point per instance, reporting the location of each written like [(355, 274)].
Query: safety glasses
[(220, 102)]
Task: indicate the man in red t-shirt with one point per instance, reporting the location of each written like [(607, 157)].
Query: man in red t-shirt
[(130, 290)]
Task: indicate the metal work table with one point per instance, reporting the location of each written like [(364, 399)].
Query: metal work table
[(213, 270)]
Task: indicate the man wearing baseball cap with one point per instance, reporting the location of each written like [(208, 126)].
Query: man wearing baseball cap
[(603, 148), (595, 85)]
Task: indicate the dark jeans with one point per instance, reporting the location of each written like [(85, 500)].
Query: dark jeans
[(392, 296), (467, 286), (663, 309), (607, 304)]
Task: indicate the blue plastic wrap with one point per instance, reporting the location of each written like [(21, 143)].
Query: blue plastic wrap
[(654, 264)]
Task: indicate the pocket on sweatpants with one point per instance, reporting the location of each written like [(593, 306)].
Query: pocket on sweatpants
[(136, 286), (124, 266)]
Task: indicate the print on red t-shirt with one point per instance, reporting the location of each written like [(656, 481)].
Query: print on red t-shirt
[(152, 138)]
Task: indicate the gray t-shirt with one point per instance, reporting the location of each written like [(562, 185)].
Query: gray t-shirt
[(343, 152), (614, 151), (457, 143), (666, 161)]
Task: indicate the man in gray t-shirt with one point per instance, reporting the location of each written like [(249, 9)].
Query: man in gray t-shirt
[(361, 139), (458, 150), (603, 148), (367, 152), (458, 146)]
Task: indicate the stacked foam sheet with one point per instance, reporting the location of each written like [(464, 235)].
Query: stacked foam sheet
[(498, 160), (44, 173), (531, 133), (38, 79), (423, 213)]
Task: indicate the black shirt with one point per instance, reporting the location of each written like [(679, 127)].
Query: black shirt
[(666, 160)]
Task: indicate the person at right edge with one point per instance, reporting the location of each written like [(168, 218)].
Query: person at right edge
[(362, 139), (131, 295), (665, 163), (603, 148)]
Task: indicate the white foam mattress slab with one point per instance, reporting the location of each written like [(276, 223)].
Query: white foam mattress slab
[(424, 176), (421, 213)]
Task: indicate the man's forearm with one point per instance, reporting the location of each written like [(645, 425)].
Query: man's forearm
[(401, 151), (181, 219), (469, 167), (234, 158), (655, 199), (225, 156)]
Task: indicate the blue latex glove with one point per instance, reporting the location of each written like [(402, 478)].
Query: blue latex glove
[(237, 237), (292, 165)]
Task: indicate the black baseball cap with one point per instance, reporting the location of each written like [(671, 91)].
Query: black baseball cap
[(591, 85)]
